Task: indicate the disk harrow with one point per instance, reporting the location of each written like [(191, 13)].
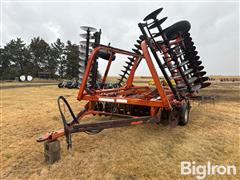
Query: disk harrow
[(174, 52)]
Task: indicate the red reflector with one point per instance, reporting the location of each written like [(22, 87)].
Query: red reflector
[(136, 122)]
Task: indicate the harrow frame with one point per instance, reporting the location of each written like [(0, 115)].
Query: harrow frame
[(156, 105)]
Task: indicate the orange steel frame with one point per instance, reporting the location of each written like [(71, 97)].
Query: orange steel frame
[(166, 95), (165, 101)]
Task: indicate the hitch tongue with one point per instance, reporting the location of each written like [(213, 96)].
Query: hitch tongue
[(51, 136)]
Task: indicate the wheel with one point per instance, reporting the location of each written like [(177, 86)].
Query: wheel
[(184, 114), (174, 30), (60, 85)]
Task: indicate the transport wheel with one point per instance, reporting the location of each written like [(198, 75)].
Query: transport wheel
[(184, 114)]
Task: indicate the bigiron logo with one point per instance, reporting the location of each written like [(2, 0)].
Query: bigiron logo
[(202, 171)]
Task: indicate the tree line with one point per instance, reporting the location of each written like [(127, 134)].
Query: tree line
[(58, 59)]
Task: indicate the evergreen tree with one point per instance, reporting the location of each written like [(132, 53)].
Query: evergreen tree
[(51, 62), (58, 50), (72, 59), (15, 59), (40, 55), (4, 64)]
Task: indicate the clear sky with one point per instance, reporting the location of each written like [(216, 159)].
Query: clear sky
[(215, 26)]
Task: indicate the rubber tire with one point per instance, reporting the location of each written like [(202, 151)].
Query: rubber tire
[(174, 30), (60, 85), (184, 115)]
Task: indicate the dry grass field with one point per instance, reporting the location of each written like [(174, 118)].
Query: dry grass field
[(142, 152)]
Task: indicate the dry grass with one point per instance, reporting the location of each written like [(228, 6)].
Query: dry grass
[(142, 152)]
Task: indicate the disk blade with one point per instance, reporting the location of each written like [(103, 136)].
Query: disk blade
[(81, 70), (83, 43), (136, 51), (85, 36), (204, 85), (88, 28), (153, 15), (131, 59), (137, 46), (201, 80), (200, 73), (81, 63), (158, 23)]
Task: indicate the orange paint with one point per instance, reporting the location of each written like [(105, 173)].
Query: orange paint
[(136, 122)]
